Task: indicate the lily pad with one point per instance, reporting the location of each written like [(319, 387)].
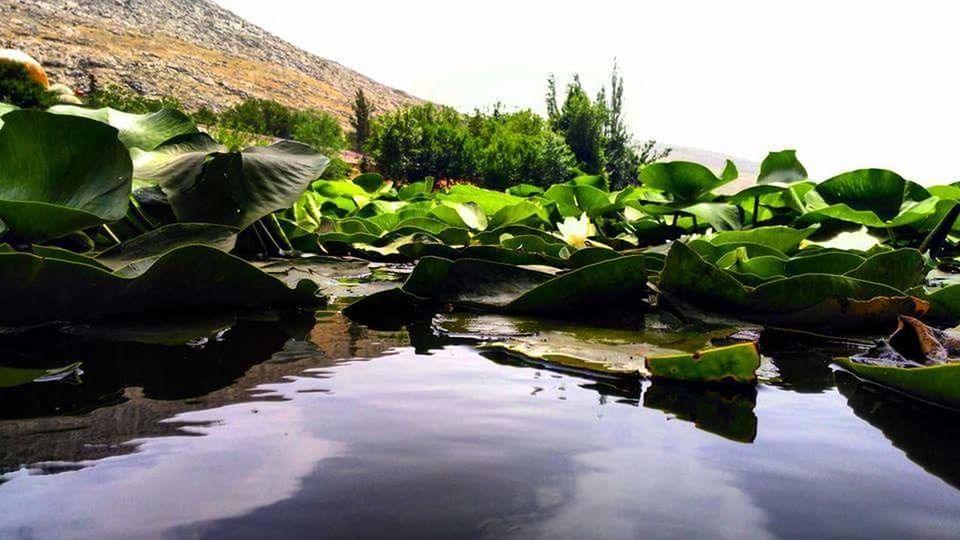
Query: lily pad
[(143, 131), (206, 184), (38, 289), (60, 174)]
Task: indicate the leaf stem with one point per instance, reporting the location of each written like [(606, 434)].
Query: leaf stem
[(933, 241), (109, 233)]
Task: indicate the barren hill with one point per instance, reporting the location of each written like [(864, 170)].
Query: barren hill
[(190, 49)]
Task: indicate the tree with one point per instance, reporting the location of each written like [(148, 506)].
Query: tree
[(362, 109), (581, 122), (320, 130), (623, 162)]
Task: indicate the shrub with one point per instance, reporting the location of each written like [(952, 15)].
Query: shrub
[(122, 99), (263, 116), (320, 130), (423, 140), (17, 88), (204, 116), (519, 147), (337, 169)]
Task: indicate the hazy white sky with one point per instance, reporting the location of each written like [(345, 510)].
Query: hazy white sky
[(848, 83)]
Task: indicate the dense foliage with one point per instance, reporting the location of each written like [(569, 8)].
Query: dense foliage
[(149, 213), (501, 149)]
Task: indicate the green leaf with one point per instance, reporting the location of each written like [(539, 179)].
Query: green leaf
[(875, 190), (901, 269), (598, 181), (616, 352), (781, 167), (60, 174), (798, 301), (732, 363), (167, 238), (489, 201), (783, 239), (143, 131), (616, 282), (11, 376), (207, 185), (575, 200), (370, 182), (416, 189), (684, 180), (37, 289), (524, 190), (938, 384)]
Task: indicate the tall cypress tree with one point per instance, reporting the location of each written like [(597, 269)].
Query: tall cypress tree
[(362, 109)]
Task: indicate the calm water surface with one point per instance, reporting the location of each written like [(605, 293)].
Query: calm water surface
[(290, 429)]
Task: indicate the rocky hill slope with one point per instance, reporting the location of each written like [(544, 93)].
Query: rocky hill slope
[(190, 49)]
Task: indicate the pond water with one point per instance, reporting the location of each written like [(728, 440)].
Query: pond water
[(293, 427)]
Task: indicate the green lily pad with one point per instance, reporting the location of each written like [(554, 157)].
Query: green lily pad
[(206, 184), (937, 384), (38, 289), (684, 180), (143, 131), (60, 174)]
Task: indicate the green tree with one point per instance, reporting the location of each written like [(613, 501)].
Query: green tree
[(623, 159), (581, 122), (423, 140), (320, 130), (263, 116), (362, 109)]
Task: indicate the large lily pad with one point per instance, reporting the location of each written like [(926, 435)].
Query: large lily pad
[(205, 183), (678, 353), (804, 300), (143, 131), (41, 289), (684, 180), (60, 174)]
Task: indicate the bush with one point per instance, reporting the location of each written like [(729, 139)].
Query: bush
[(423, 140), (122, 99), (519, 147), (263, 116), (337, 170), (205, 117), (320, 130), (17, 88)]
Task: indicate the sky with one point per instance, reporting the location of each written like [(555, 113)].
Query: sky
[(847, 83)]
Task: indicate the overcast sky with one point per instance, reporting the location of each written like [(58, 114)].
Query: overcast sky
[(848, 83)]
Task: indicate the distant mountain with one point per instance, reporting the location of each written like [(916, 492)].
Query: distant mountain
[(193, 50)]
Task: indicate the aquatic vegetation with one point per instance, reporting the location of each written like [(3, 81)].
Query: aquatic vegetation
[(152, 215)]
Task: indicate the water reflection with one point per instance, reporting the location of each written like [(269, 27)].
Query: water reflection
[(291, 431), (927, 434), (127, 390), (725, 410)]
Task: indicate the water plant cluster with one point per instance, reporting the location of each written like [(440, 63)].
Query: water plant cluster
[(106, 213)]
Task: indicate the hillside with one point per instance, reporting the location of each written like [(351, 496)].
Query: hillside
[(192, 49)]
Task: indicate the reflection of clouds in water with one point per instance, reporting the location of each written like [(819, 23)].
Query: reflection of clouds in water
[(246, 461), (669, 491), (455, 445)]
